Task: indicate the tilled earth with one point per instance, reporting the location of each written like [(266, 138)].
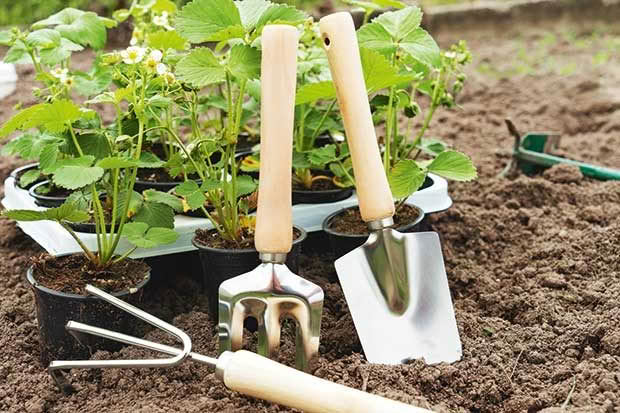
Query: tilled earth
[(533, 262)]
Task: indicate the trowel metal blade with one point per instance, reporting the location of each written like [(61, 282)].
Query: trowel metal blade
[(419, 322)]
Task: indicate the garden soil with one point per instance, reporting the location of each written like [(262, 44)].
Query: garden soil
[(533, 263)]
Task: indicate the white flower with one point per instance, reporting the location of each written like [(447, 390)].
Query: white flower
[(156, 55), (162, 69), (169, 78), (162, 21), (133, 55), (133, 41), (59, 73), (154, 60), (67, 81)]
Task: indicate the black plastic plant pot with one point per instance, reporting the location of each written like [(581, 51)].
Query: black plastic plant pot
[(87, 227), (55, 309), (48, 201), (341, 243), (18, 172), (141, 186), (219, 265), (321, 197)]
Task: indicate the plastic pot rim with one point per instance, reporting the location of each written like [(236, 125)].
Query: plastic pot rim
[(302, 236), (330, 217), (35, 284)]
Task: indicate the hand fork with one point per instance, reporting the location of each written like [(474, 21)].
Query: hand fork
[(271, 290), (242, 371)]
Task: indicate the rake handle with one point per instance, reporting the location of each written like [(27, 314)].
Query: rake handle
[(340, 42), (259, 377), (274, 216)]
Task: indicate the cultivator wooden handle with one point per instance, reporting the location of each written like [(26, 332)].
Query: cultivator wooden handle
[(340, 42), (257, 376), (274, 216)]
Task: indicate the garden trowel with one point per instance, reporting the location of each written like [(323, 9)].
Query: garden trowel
[(271, 290), (533, 152), (395, 284)]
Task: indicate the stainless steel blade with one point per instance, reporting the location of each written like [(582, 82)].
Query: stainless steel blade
[(397, 291), (267, 293)]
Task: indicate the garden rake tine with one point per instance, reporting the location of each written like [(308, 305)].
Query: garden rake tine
[(55, 367)]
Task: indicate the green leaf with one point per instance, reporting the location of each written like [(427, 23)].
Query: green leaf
[(165, 198), (164, 40), (25, 215), (74, 177), (375, 37), (18, 54), (379, 73), (161, 6), (281, 14), (56, 116), (311, 92), (84, 28), (6, 38), (139, 234), (422, 47), (93, 83), (150, 160), (116, 162), (245, 185), (135, 203), (244, 62), (52, 57), (401, 22), (453, 165), (44, 39), (155, 215), (93, 144), (201, 68), (250, 11), (22, 120), (193, 194), (48, 157), (405, 178), (29, 177), (300, 160), (209, 21), (66, 212), (320, 157)]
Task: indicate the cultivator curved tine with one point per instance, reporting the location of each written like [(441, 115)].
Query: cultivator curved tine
[(75, 328)]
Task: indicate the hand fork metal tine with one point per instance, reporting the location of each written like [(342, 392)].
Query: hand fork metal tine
[(55, 367)]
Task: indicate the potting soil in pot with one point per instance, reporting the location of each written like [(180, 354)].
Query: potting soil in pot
[(533, 266)]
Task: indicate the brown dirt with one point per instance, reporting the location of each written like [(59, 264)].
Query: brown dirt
[(211, 238), (533, 263), (71, 274), (350, 221)]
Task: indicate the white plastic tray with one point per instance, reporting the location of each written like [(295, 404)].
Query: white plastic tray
[(8, 79), (55, 239)]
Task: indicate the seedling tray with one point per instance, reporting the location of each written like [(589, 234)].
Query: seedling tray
[(56, 241)]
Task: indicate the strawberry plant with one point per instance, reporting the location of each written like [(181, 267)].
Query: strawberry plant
[(412, 52), (76, 149), (223, 83)]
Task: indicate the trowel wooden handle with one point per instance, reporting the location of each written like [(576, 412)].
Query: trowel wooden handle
[(340, 42), (259, 377), (274, 217)]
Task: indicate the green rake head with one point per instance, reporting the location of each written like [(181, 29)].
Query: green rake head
[(533, 153)]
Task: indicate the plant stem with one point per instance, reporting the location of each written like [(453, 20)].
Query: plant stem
[(125, 255), (388, 131), (84, 248), (317, 130)]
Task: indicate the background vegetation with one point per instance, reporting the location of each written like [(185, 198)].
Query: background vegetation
[(15, 12)]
